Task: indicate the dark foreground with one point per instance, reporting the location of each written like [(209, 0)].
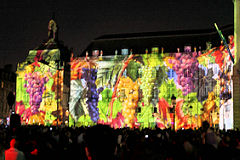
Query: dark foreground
[(102, 142)]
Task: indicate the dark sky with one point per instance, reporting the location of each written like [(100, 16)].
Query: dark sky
[(24, 22)]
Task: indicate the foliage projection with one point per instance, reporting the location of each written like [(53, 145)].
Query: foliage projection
[(136, 90)]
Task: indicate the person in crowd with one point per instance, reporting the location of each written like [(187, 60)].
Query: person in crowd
[(208, 135), (209, 142), (101, 143), (13, 153)]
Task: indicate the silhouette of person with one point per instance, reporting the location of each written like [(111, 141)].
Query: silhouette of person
[(12, 153)]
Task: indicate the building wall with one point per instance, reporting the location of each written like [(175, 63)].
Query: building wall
[(236, 95), (7, 84), (42, 88), (236, 76), (110, 89)]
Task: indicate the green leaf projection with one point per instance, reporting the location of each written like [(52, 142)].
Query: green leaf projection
[(191, 105), (104, 111), (167, 89), (145, 117), (133, 70)]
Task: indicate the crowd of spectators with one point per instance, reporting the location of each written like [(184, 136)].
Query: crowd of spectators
[(102, 142)]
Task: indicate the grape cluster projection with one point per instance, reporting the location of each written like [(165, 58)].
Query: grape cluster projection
[(185, 65), (35, 88), (130, 99), (90, 76), (147, 83)]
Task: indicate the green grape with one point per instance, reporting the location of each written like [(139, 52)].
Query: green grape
[(147, 82), (146, 117)]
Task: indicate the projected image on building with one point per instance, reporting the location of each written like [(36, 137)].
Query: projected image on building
[(151, 89), (136, 90), (39, 88)]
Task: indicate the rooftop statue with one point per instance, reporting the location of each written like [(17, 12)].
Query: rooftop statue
[(52, 29)]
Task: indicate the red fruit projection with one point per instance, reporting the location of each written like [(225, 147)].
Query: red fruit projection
[(20, 107), (179, 115)]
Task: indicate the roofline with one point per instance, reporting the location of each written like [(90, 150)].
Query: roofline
[(146, 35)]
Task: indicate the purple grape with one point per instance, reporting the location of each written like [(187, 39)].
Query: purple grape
[(35, 88), (92, 95), (185, 66)]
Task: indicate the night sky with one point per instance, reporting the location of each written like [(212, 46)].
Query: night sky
[(24, 22)]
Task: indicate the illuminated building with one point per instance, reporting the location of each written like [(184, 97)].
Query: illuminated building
[(132, 74), (42, 87), (132, 89)]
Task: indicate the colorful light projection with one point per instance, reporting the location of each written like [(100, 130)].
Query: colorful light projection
[(39, 88), (136, 90)]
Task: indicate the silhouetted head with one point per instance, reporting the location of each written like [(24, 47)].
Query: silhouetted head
[(101, 142), (205, 125), (12, 143)]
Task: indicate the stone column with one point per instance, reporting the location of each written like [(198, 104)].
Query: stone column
[(236, 68)]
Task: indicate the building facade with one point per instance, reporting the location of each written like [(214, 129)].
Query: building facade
[(138, 88), (42, 86), (7, 87)]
